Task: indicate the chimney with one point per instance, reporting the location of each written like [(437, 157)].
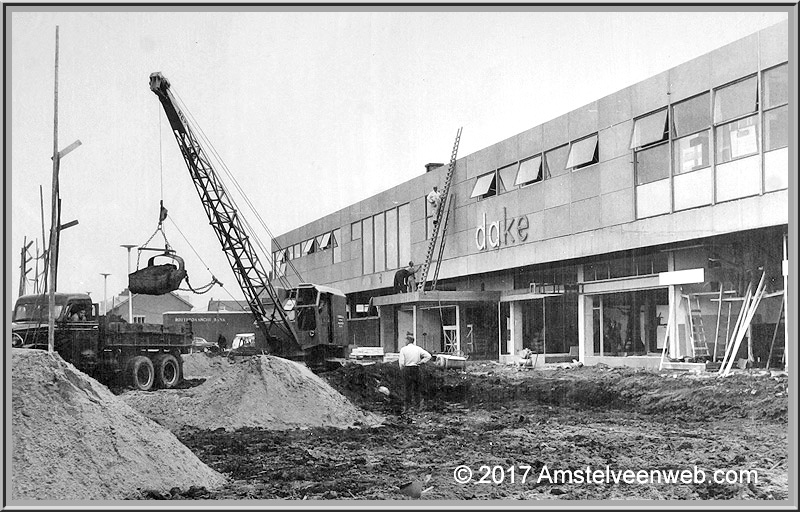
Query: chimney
[(430, 167)]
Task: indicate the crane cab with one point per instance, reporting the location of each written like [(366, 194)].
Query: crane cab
[(318, 314)]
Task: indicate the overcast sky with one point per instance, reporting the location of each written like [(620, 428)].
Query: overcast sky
[(310, 111)]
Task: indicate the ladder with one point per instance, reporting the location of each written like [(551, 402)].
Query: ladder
[(440, 223), (696, 328)]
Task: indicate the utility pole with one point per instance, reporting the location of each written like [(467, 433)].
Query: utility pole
[(130, 295), (105, 290), (54, 216), (55, 213)]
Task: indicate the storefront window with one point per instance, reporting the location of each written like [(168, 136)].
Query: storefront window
[(629, 323)]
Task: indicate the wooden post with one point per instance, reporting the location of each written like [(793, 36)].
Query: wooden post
[(775, 334), (54, 215), (719, 315)]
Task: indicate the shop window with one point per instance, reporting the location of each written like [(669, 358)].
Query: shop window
[(652, 164), (507, 176), (355, 230), (736, 100), (555, 161), (650, 129), (583, 153), (737, 139), (530, 171), (776, 86), (485, 186)]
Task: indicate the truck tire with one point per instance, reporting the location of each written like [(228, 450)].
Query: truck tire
[(141, 373), (168, 371)]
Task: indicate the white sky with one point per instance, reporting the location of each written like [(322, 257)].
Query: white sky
[(310, 111)]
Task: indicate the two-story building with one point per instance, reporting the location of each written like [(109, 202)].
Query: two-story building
[(588, 235)]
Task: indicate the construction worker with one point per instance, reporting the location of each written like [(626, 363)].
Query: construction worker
[(435, 199), (411, 357), (411, 280)]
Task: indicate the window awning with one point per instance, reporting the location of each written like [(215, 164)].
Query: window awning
[(483, 185), (529, 171), (582, 151), (649, 129)]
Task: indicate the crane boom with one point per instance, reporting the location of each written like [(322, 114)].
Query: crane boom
[(224, 218)]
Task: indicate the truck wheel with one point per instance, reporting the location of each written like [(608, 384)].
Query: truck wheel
[(141, 373), (168, 371)]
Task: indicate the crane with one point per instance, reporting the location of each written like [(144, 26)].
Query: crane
[(261, 296)]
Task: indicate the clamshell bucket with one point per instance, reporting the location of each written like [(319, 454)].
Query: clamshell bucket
[(157, 279)]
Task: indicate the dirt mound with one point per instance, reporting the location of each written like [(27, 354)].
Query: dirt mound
[(75, 440), (643, 391), (202, 365), (259, 391)]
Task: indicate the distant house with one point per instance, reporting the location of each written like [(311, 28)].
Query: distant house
[(147, 309), (227, 305)]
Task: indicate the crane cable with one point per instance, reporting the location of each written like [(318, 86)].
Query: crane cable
[(238, 188)]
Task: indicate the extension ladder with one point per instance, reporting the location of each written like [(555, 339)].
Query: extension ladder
[(440, 223)]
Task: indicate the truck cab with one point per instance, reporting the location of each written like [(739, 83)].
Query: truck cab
[(76, 333)]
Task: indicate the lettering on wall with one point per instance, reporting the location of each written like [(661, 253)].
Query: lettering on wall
[(501, 232)]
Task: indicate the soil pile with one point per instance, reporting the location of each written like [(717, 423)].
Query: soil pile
[(643, 391), (75, 440), (259, 391)]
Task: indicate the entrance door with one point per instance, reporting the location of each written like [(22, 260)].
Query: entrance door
[(451, 341)]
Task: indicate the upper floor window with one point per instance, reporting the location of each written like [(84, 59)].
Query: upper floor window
[(555, 161), (736, 100), (691, 122), (776, 108), (485, 186), (651, 157), (650, 129), (324, 241), (308, 247), (583, 153), (355, 230), (530, 171), (507, 175), (139, 319)]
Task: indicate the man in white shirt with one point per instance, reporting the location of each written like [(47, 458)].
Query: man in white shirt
[(435, 199), (411, 356)]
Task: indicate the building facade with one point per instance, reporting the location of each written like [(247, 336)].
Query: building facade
[(593, 235)]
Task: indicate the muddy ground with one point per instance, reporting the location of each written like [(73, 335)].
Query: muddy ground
[(562, 419)]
